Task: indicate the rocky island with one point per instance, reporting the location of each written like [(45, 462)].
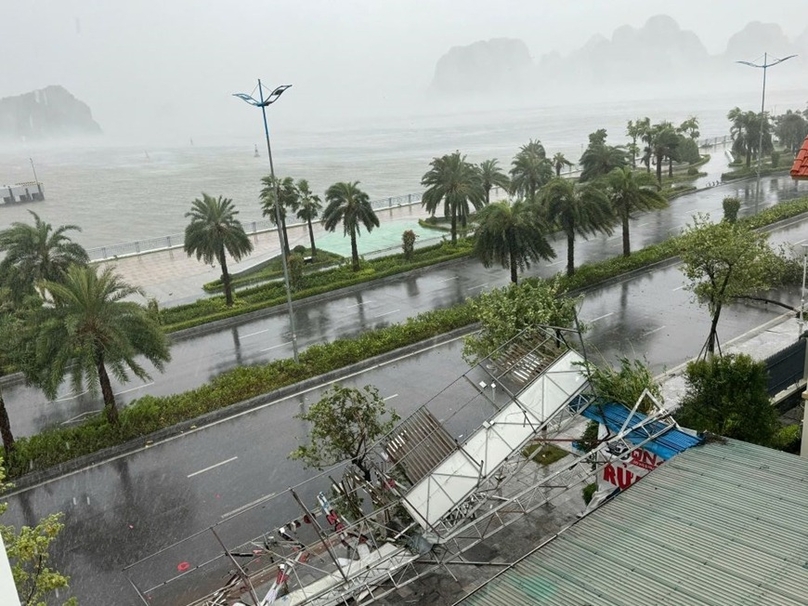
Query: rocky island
[(48, 113)]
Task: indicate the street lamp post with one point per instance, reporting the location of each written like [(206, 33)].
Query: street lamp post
[(263, 103), (802, 292), (764, 66)]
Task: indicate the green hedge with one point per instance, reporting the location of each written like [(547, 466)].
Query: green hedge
[(150, 413)]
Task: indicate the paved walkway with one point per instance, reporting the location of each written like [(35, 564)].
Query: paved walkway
[(174, 278)]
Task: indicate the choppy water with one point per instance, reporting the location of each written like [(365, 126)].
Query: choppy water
[(121, 193)]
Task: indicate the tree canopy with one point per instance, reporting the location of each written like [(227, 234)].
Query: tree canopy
[(723, 261), (349, 205), (630, 192), (726, 395), (345, 423), (511, 235), (456, 184), (505, 312)]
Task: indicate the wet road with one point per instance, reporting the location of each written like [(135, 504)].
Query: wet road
[(196, 361), (119, 511)]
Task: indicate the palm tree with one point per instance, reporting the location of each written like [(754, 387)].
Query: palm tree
[(511, 235), (662, 140), (456, 183), (600, 159), (743, 133), (580, 209), (492, 176), (38, 252), (530, 170), (349, 205), (213, 231), (630, 192), (559, 162), (309, 206), (288, 198), (91, 328)]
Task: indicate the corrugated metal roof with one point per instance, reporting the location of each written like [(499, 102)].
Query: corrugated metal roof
[(613, 415), (719, 525), (799, 170)]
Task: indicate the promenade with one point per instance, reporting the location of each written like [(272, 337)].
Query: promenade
[(174, 278)]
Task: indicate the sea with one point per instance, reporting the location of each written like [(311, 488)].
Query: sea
[(120, 192)]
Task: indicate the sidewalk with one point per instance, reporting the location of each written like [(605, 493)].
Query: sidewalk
[(174, 278)]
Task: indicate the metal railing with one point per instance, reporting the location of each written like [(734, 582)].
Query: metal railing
[(176, 240)]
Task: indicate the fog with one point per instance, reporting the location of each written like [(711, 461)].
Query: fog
[(167, 68)]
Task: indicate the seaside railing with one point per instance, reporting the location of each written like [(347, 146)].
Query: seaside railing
[(127, 249)]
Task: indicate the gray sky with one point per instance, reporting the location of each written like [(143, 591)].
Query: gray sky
[(171, 64)]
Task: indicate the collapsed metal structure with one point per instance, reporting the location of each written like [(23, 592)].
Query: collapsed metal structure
[(451, 475)]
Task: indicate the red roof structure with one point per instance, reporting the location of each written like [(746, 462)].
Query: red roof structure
[(799, 170)]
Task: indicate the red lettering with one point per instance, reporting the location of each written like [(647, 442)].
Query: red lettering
[(624, 478), (608, 474)]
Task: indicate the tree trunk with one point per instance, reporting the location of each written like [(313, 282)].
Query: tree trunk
[(570, 254), (514, 276), (286, 250), (713, 337), (670, 166), (659, 158), (5, 428), (454, 226), (311, 237), (626, 239), (748, 157), (354, 251), (110, 410), (487, 196), (226, 286), (558, 170)]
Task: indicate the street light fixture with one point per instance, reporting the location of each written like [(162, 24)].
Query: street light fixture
[(764, 66), (263, 103)]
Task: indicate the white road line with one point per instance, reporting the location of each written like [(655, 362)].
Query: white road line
[(556, 263), (360, 304), (479, 286), (678, 288), (449, 279), (252, 334), (650, 332), (214, 466), (387, 313), (395, 395), (117, 393), (74, 396), (643, 224), (230, 514), (611, 313), (79, 416), (276, 346), (191, 432)]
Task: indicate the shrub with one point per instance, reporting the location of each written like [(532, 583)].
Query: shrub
[(589, 491), (295, 264), (789, 439), (731, 207), (408, 243), (775, 159), (692, 171), (300, 250)]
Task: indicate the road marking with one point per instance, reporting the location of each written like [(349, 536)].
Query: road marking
[(276, 346), (214, 466), (556, 263), (74, 396), (237, 510), (79, 416), (650, 332), (191, 432), (252, 334), (395, 395), (360, 304), (678, 288), (117, 393), (643, 224), (449, 279), (611, 313), (387, 313), (479, 286)]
